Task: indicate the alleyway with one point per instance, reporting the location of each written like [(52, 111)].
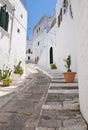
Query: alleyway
[(22, 112), (44, 105)]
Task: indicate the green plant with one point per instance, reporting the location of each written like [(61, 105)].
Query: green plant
[(68, 63), (53, 66), (18, 69), (5, 72), (7, 81)]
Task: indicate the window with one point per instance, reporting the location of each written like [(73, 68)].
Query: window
[(28, 57), (60, 18), (18, 30), (37, 31), (38, 43), (39, 28), (29, 50), (21, 16), (4, 18)]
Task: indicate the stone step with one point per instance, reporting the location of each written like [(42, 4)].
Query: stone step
[(59, 101), (61, 120), (63, 84), (63, 87), (72, 91), (61, 81)]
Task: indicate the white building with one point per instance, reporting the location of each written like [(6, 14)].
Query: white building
[(55, 44), (80, 15), (39, 36), (29, 50), (12, 38), (70, 36), (65, 41)]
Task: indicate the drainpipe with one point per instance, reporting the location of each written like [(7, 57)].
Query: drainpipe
[(11, 31)]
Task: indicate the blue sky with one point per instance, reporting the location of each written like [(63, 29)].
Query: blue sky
[(36, 9)]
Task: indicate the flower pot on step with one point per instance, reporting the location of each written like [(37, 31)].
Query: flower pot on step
[(69, 76)]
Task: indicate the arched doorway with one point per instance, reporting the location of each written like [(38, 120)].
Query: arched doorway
[(51, 55)]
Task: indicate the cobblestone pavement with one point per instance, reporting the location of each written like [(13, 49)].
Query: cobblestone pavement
[(44, 105), (60, 110), (23, 110)]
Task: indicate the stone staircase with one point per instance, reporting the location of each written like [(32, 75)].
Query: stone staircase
[(60, 110)]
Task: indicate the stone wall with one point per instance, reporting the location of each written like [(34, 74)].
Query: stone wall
[(80, 14)]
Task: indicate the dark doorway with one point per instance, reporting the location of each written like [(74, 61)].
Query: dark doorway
[(51, 55)]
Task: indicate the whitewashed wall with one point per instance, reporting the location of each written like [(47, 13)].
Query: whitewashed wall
[(80, 13), (62, 40), (18, 43), (37, 49), (65, 43), (13, 45), (49, 41)]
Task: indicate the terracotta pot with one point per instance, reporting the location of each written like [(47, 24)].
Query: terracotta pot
[(69, 76)]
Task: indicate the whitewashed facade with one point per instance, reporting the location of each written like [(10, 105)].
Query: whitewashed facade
[(39, 36), (58, 40), (65, 41), (13, 41), (80, 14), (70, 37)]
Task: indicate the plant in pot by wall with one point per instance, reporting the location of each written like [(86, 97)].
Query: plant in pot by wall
[(18, 69), (5, 76), (53, 66), (7, 81), (69, 75)]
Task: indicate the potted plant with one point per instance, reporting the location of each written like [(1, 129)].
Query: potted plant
[(69, 75), (7, 81), (53, 66), (5, 74), (18, 69)]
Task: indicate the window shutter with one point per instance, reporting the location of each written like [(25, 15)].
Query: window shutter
[(4, 18), (7, 21)]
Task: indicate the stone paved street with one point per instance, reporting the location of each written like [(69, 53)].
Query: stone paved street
[(43, 104), (60, 110), (22, 112)]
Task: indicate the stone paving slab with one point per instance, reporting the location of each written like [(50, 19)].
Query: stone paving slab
[(55, 97), (61, 120), (63, 101)]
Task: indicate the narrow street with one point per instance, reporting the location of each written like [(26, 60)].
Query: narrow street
[(23, 111), (44, 104)]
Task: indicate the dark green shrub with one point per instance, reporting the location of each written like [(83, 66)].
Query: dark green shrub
[(68, 63), (53, 66)]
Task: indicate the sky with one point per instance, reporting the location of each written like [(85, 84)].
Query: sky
[(36, 9)]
